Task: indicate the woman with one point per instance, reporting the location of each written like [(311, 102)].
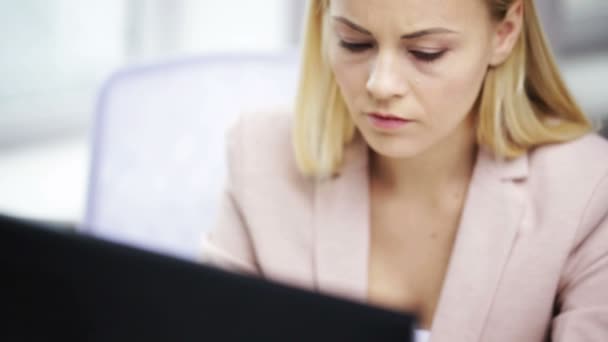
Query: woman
[(439, 165)]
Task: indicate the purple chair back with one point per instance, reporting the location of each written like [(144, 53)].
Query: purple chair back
[(158, 161)]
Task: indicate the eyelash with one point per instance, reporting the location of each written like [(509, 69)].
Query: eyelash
[(422, 56)]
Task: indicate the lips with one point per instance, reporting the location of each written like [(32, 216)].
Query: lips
[(383, 116), (387, 122)]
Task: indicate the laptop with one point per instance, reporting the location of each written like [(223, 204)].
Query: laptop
[(63, 286)]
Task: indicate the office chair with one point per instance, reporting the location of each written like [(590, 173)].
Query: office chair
[(158, 162)]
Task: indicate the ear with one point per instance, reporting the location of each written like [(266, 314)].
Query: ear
[(507, 33)]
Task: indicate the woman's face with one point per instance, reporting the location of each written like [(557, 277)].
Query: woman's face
[(409, 70)]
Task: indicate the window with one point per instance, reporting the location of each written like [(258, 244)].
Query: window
[(55, 54)]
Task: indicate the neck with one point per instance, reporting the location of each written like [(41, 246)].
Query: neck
[(443, 166)]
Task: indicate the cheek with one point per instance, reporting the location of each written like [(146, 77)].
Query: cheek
[(350, 75), (455, 93)]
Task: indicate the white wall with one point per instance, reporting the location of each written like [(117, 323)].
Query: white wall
[(52, 56), (234, 25)]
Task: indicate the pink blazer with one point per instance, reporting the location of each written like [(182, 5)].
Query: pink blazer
[(530, 260)]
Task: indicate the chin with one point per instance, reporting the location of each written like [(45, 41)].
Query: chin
[(395, 147)]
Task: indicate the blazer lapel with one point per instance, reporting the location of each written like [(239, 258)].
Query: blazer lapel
[(341, 228), (487, 232)]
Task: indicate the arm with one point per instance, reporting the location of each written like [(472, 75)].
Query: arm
[(583, 296), (229, 244)]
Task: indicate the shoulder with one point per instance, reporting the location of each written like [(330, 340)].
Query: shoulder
[(572, 178), (591, 150), (260, 148), (268, 134), (581, 161)]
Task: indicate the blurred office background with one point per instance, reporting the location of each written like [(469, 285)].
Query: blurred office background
[(55, 55)]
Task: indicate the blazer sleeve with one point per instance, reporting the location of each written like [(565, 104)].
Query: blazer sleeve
[(582, 303), (228, 245)]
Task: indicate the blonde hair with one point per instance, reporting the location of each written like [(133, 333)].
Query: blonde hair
[(524, 102)]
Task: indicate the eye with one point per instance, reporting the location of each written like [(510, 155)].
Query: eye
[(427, 57), (355, 47)]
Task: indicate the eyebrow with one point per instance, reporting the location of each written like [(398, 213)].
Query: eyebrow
[(412, 35)]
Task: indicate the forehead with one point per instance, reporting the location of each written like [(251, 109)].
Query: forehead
[(412, 14)]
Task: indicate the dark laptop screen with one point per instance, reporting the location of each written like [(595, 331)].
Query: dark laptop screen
[(68, 287)]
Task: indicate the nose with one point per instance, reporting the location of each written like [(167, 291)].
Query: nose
[(385, 81)]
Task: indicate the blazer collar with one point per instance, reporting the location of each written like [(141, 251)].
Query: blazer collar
[(486, 233)]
